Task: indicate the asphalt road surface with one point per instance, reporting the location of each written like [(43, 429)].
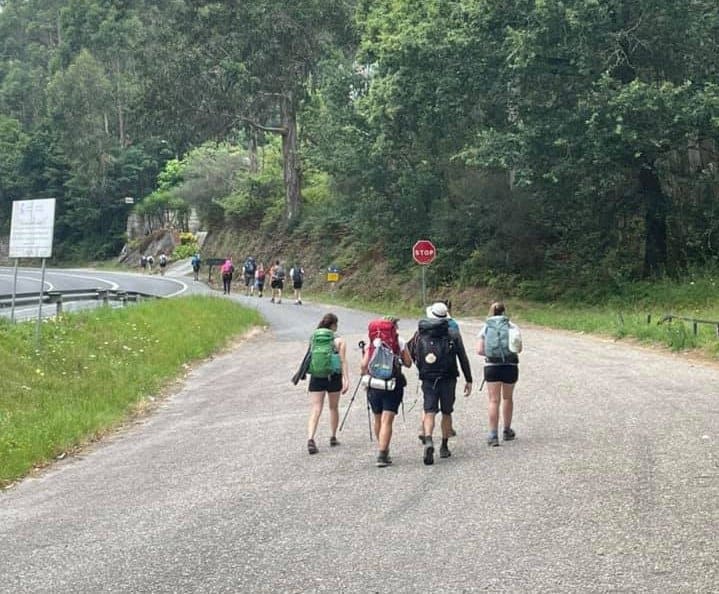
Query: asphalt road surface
[(611, 486)]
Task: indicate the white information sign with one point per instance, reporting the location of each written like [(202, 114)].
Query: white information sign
[(31, 231)]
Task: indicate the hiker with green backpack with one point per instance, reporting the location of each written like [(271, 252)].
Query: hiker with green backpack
[(500, 342), (328, 375)]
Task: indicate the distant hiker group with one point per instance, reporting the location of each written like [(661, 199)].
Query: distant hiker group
[(437, 351), (254, 277)]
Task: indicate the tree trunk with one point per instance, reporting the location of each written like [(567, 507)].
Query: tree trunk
[(291, 165), (655, 221), (252, 150)]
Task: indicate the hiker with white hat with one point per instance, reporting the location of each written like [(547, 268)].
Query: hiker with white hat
[(437, 346)]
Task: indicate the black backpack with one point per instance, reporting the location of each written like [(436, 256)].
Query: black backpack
[(434, 350), (250, 265)]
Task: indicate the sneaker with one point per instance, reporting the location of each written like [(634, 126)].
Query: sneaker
[(383, 459), (428, 451), (444, 452), (272, 300), (279, 301), (493, 441), (421, 438), (299, 302), (312, 446), (452, 432), (333, 441), (508, 434)]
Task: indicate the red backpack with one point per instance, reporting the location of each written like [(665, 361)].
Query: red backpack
[(386, 331)]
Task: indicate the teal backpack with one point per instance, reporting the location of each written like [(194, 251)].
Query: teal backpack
[(496, 339), (324, 359)]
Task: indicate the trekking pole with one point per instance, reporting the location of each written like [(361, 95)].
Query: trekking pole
[(350, 404), (361, 346)]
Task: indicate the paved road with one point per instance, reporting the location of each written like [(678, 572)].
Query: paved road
[(611, 486), (175, 283)]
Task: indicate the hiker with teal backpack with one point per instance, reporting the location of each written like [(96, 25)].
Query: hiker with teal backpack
[(499, 343), (328, 375)]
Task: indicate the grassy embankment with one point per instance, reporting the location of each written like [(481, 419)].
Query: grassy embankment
[(620, 316), (92, 370)]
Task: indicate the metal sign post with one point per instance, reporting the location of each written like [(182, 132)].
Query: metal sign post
[(39, 305), (14, 293), (424, 253), (31, 235)]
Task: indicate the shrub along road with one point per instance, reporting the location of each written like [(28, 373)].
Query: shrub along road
[(611, 485)]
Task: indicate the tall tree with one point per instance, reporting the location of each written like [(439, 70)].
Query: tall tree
[(248, 65)]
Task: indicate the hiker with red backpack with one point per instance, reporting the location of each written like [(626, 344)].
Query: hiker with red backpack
[(328, 375), (381, 369), (436, 348), (499, 343)]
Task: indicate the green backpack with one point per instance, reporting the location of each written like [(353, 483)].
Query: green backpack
[(324, 360)]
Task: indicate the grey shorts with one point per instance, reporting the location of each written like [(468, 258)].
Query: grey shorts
[(439, 395)]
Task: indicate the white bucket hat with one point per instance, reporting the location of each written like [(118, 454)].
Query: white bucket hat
[(438, 311)]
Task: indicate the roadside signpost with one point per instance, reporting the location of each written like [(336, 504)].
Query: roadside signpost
[(424, 253), (31, 234)]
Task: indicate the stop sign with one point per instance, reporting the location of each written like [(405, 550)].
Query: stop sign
[(424, 252)]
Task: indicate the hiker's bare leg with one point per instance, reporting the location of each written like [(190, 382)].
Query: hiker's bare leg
[(385, 432), (507, 404), (334, 401), (317, 400), (377, 425), (446, 426), (428, 423), (494, 390)]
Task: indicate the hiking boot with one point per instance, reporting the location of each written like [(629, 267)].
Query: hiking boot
[(493, 440), (312, 446), (508, 434), (421, 438), (272, 300), (428, 451), (452, 432), (444, 452), (333, 441), (383, 459), (279, 301)]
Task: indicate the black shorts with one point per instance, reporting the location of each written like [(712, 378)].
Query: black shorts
[(385, 400), (297, 285), (277, 283), (332, 383), (439, 395), (507, 374), (248, 279)]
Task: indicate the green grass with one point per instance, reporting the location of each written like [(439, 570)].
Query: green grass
[(91, 370), (635, 311), (643, 323)]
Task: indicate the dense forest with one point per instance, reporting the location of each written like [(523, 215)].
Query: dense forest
[(556, 143)]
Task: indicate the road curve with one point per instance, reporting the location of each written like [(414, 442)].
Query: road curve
[(611, 486)]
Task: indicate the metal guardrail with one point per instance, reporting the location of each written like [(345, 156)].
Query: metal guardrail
[(71, 295), (694, 322)]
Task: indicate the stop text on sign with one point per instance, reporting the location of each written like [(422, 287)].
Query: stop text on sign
[(424, 252)]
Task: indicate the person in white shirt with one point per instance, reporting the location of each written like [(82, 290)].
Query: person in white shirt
[(499, 342)]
